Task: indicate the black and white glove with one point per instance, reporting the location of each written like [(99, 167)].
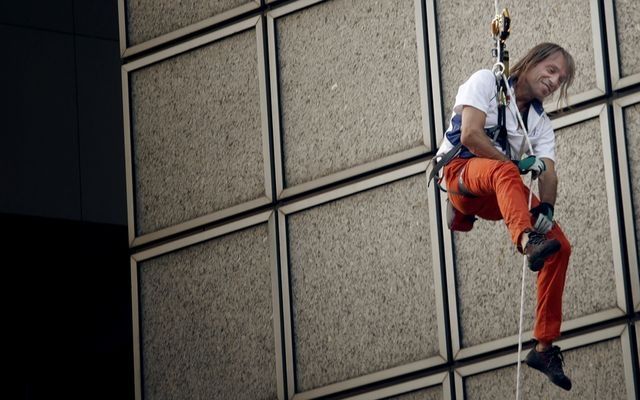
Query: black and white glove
[(543, 215), (533, 164)]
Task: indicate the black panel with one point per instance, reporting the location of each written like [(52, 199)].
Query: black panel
[(97, 18), (43, 14), (39, 140), (70, 309), (101, 131)]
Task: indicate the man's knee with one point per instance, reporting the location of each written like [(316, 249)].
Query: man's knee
[(506, 170)]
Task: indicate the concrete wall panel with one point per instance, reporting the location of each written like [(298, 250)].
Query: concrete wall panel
[(149, 19), (597, 372), (207, 320), (349, 85), (362, 287), (582, 212), (197, 136), (465, 40), (632, 136), (627, 13), (488, 275), (432, 393)]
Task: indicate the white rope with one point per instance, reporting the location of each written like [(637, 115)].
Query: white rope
[(499, 71), (499, 75)]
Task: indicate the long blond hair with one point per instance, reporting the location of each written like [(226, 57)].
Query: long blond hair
[(536, 55)]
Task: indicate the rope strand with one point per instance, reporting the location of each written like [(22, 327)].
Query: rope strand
[(498, 69)]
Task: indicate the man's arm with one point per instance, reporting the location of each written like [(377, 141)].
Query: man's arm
[(473, 136), (548, 183)]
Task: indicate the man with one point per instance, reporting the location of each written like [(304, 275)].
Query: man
[(482, 180)]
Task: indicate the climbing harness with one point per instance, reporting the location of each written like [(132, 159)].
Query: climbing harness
[(501, 28)]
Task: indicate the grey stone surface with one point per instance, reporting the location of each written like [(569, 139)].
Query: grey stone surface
[(627, 14), (632, 136), (432, 393), (489, 269), (349, 85), (582, 211), (465, 39), (147, 19), (362, 286), (488, 276), (197, 136), (597, 372), (207, 320)]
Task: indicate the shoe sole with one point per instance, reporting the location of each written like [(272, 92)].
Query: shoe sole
[(537, 264)]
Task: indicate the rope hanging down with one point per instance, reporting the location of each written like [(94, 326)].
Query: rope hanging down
[(501, 28)]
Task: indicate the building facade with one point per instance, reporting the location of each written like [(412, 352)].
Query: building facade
[(284, 242)]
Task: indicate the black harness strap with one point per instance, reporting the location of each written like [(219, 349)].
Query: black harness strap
[(501, 98), (438, 163)]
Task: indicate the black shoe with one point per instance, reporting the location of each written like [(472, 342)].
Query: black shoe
[(550, 363), (457, 221), (538, 249)]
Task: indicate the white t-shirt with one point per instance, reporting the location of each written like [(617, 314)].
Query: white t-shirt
[(479, 91)]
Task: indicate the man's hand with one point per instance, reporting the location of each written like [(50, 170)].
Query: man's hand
[(543, 214), (533, 164)]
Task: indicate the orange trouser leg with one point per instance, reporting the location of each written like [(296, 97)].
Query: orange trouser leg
[(502, 194), (494, 183), (551, 279)]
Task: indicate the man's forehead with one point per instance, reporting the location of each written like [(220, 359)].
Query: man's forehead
[(558, 60)]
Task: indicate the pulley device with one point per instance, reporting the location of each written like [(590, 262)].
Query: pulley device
[(501, 28)]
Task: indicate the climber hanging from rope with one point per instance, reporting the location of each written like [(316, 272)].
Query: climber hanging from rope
[(497, 119)]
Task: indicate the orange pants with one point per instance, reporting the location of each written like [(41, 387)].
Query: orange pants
[(501, 194)]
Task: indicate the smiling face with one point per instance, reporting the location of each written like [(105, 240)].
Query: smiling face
[(544, 78)]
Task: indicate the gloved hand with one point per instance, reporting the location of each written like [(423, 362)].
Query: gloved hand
[(533, 164), (543, 215)]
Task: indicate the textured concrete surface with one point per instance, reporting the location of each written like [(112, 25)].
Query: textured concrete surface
[(488, 276), (627, 14), (149, 19), (432, 393), (632, 136), (488, 268), (207, 320), (349, 85), (582, 212), (362, 287), (465, 40), (597, 372), (197, 133)]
